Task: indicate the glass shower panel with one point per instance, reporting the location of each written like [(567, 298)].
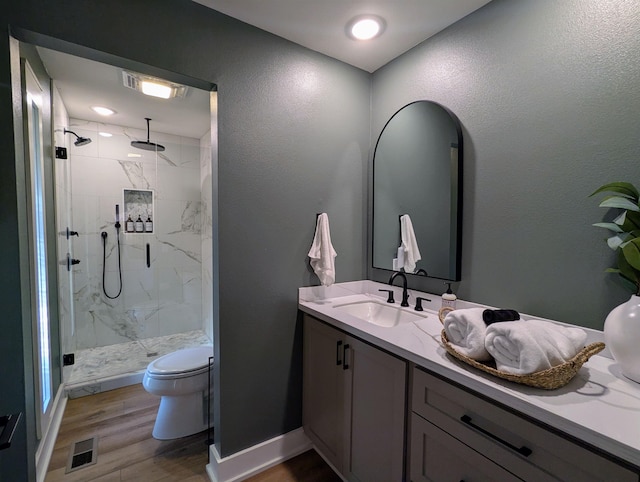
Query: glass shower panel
[(67, 233)]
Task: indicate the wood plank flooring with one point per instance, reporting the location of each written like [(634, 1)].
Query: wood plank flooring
[(123, 419)]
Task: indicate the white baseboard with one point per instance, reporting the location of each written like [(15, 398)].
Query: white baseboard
[(253, 460), (45, 447)]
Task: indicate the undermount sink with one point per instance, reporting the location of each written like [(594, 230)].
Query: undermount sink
[(379, 313)]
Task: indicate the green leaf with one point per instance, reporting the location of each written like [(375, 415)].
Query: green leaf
[(626, 270), (631, 221), (615, 242), (624, 189), (619, 202), (621, 218), (631, 252), (610, 226)]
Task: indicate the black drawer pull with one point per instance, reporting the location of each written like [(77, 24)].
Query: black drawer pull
[(338, 345), (345, 365), (526, 451)]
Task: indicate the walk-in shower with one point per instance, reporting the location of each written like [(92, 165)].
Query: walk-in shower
[(148, 291)]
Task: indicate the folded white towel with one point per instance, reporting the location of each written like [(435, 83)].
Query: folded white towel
[(466, 331), (533, 345), (322, 253), (409, 244)]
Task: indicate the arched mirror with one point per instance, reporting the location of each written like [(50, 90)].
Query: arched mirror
[(417, 171)]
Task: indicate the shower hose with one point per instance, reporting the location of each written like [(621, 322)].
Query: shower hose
[(104, 262)]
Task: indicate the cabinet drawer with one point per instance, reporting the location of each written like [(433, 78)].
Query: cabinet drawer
[(436, 456), (523, 448)]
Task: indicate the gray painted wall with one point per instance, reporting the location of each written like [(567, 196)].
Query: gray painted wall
[(548, 94), (293, 141)]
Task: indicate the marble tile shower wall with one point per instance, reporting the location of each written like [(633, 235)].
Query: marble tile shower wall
[(165, 298)]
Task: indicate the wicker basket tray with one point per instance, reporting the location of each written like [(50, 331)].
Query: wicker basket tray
[(549, 379)]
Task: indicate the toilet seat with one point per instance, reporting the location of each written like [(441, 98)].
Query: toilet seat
[(182, 363)]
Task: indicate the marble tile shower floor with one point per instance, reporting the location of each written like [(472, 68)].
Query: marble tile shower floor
[(100, 363)]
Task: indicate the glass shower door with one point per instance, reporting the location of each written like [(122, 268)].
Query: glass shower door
[(67, 232)]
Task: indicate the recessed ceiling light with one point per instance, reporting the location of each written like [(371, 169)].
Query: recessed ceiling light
[(105, 134), (131, 154), (103, 110), (365, 27)]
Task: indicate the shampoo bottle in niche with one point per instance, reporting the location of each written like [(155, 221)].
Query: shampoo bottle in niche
[(449, 298), (148, 224), (139, 225), (128, 225)]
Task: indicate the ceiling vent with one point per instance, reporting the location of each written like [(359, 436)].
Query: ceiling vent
[(130, 80), (153, 86)]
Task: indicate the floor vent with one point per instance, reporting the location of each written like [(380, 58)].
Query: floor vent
[(82, 454)]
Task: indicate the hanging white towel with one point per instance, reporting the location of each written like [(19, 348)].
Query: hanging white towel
[(409, 244), (322, 253)]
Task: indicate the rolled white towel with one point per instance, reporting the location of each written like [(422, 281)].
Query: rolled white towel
[(528, 347), (466, 331)]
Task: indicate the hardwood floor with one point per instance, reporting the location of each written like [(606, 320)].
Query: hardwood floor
[(122, 420), (306, 467)]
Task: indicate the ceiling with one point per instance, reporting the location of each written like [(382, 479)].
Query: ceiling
[(83, 83), (316, 24), (320, 25)]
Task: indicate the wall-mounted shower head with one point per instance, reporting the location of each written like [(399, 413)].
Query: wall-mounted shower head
[(80, 141)]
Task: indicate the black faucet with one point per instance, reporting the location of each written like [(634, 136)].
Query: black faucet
[(405, 294)]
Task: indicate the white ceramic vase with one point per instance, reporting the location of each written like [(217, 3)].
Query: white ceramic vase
[(622, 337)]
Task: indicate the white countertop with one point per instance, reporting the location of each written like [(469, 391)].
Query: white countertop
[(599, 406)]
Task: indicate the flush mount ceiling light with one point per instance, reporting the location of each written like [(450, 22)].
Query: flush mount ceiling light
[(105, 134), (102, 110), (365, 27), (153, 86)]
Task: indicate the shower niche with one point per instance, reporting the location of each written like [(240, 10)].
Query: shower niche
[(138, 211)]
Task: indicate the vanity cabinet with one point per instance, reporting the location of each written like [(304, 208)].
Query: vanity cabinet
[(354, 403), (456, 435)]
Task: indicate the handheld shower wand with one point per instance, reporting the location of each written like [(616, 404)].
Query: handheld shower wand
[(104, 256)]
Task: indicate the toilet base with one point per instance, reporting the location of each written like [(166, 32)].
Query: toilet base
[(180, 416)]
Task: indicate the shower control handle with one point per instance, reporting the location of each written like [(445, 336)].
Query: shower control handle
[(71, 261)]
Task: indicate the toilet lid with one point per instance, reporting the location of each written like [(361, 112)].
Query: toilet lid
[(181, 361)]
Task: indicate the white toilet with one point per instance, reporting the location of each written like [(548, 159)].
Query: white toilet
[(181, 379)]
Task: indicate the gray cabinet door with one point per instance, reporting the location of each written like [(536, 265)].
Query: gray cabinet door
[(354, 404), (323, 386), (375, 422)]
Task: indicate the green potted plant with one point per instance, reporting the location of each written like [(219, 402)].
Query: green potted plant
[(622, 326)]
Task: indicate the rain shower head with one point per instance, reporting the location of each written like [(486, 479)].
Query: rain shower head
[(147, 145), (80, 141)]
